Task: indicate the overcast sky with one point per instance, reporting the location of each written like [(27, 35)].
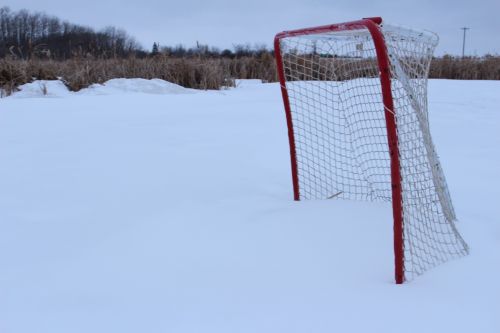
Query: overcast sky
[(223, 23)]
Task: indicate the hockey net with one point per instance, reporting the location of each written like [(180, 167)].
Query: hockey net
[(339, 134)]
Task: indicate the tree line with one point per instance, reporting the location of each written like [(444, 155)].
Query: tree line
[(25, 35), (206, 51)]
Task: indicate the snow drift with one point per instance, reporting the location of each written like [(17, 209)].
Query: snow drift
[(56, 88)]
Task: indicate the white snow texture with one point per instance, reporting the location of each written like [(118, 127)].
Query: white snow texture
[(142, 206)]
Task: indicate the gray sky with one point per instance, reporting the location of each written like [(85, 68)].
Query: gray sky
[(223, 23)]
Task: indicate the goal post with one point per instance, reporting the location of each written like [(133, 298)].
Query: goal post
[(355, 98)]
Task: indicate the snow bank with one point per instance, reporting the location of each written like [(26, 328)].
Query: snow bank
[(153, 86), (42, 88), (56, 88)]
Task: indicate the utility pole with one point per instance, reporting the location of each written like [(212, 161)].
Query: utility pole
[(463, 43)]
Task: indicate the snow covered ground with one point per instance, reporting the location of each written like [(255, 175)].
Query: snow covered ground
[(141, 206)]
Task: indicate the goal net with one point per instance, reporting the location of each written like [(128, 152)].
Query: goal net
[(355, 96)]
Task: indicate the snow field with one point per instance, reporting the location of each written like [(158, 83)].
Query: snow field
[(146, 207)]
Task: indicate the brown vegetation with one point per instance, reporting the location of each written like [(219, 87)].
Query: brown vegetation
[(199, 72), (468, 68), (194, 72)]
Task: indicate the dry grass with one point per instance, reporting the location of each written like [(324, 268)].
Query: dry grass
[(197, 72), (469, 68)]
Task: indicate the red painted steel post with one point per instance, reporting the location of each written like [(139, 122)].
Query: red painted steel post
[(288, 112), (392, 136)]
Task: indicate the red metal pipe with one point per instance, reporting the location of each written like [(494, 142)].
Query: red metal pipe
[(288, 112), (392, 136)]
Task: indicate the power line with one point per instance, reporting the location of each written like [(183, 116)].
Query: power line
[(463, 43)]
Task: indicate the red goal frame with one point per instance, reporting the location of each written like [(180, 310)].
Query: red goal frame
[(373, 26)]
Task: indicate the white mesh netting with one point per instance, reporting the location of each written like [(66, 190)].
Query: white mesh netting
[(332, 80)]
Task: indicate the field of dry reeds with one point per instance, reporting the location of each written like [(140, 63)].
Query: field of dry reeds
[(198, 72)]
